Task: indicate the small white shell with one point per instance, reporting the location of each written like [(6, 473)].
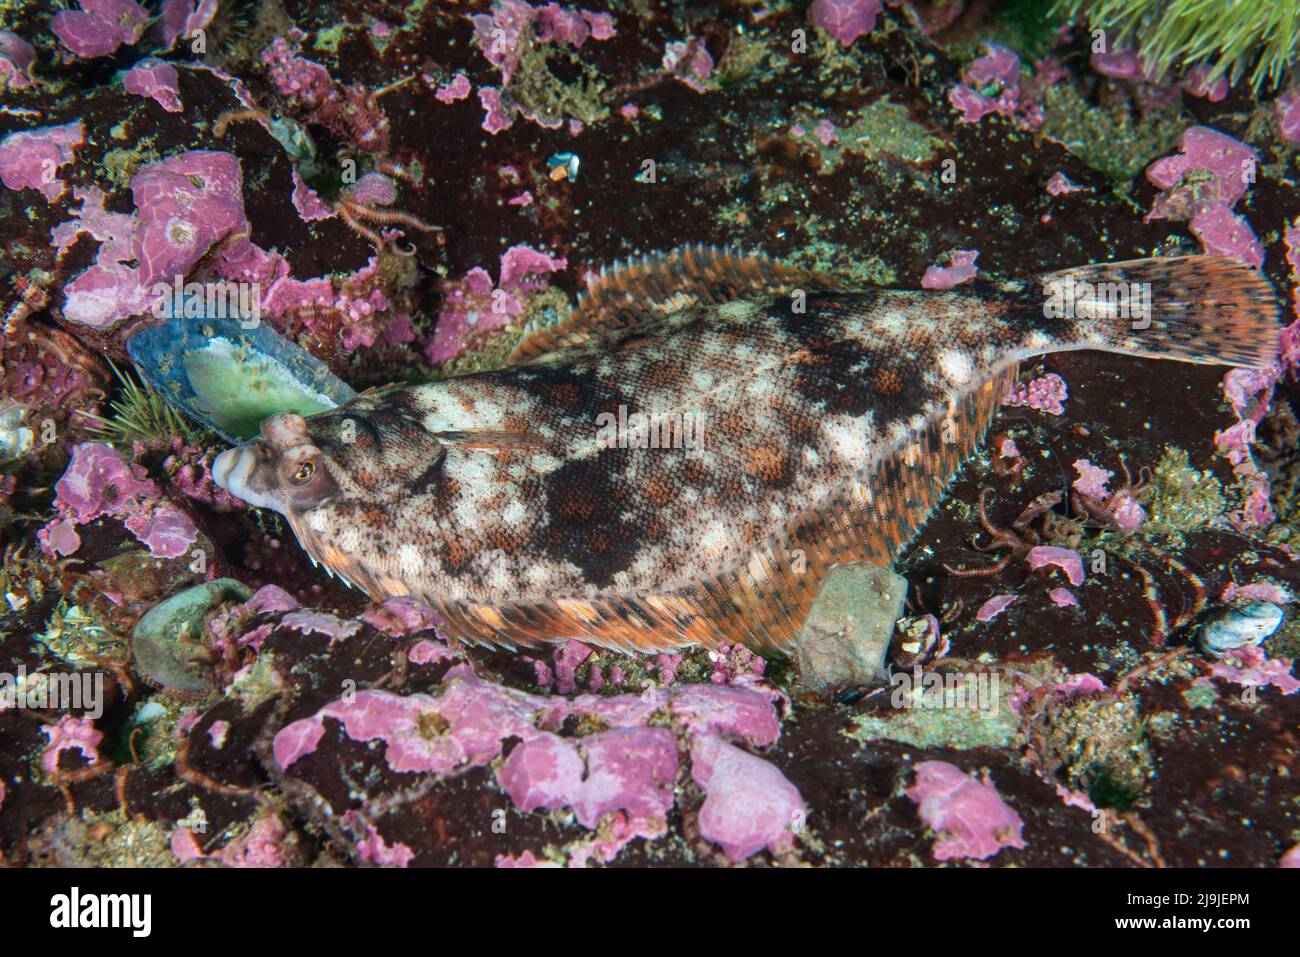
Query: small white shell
[(1239, 627)]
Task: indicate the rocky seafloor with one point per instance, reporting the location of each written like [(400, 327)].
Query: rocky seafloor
[(409, 184)]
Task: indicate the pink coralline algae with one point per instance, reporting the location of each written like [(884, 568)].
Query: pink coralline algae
[(500, 33), (1046, 394), (845, 20), (732, 662), (1289, 353), (374, 850), (995, 606), (307, 201), (97, 483), (457, 88), (472, 306), (1249, 392), (429, 653), (156, 80), (1121, 507), (1062, 597), (1150, 85), (991, 85), (99, 27), (261, 846), (270, 598), (1070, 686), (628, 769), (319, 623), (184, 846), (400, 615), (825, 132), (1050, 556), (567, 661), (1201, 184), (70, 734), (1092, 480), (351, 112), (1200, 81), (477, 717), (620, 779), (301, 80), (1229, 164), (30, 158), (16, 59), (1250, 666), (1060, 185), (1286, 110), (1256, 591), (525, 860), (373, 189), (186, 204), (689, 62), (961, 268), (189, 473), (1126, 64), (1153, 85), (744, 713), (357, 302), (1224, 233), (496, 115), (968, 813), (181, 18), (749, 803)]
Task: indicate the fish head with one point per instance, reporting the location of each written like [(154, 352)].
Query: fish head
[(283, 469), (340, 478), (365, 486)]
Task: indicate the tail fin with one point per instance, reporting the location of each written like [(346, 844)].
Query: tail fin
[(1194, 308)]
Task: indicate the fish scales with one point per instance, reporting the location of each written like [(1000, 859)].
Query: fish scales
[(783, 431)]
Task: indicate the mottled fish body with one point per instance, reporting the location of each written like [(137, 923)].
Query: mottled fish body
[(684, 458)]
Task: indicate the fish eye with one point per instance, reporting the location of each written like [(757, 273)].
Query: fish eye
[(304, 472)]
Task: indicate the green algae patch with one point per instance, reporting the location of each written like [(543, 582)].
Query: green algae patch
[(120, 165), (1102, 746), (880, 130), (1112, 141), (544, 96), (886, 129), (940, 728), (256, 684), (328, 39), (1182, 497), (1201, 696)]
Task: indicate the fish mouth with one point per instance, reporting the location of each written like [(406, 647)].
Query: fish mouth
[(231, 470)]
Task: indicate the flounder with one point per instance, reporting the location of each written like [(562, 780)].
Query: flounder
[(685, 456)]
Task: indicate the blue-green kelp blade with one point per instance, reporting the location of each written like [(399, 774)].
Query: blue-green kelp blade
[(230, 378)]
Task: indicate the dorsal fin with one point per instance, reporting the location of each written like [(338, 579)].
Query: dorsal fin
[(635, 291)]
